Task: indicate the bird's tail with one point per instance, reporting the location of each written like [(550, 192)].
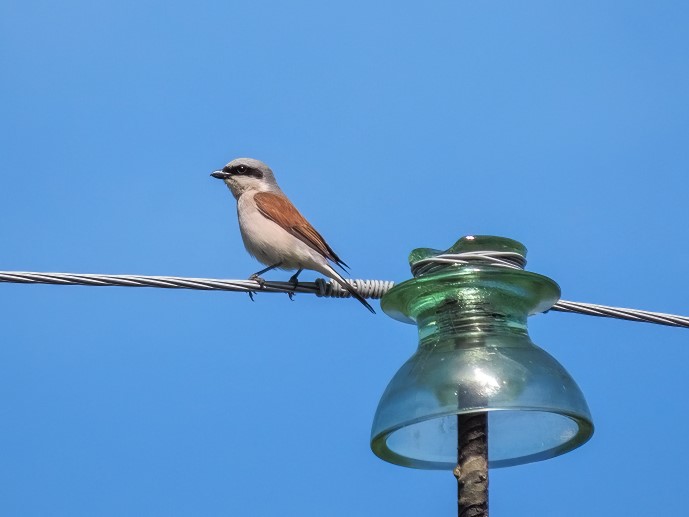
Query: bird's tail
[(327, 270)]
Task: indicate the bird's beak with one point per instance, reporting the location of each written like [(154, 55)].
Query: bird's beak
[(220, 175)]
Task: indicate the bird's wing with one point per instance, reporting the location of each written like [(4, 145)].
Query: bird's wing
[(282, 212)]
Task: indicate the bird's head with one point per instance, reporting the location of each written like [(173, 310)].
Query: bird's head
[(246, 174)]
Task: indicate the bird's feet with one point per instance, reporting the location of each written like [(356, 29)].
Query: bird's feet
[(260, 281), (294, 280)]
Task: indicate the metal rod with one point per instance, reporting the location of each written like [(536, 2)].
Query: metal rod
[(472, 465)]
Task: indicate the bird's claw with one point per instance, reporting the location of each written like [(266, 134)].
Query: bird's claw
[(260, 281), (251, 295), (295, 282)]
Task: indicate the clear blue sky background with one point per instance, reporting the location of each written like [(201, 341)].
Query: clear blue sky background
[(392, 125)]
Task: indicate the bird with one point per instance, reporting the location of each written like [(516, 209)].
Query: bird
[(274, 231)]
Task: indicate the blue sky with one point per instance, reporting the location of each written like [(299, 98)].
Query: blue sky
[(391, 125)]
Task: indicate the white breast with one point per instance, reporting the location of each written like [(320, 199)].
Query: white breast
[(269, 242)]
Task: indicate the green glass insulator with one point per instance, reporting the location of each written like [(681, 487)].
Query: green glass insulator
[(475, 355)]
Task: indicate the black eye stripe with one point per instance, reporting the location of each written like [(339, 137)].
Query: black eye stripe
[(250, 171), (243, 170)]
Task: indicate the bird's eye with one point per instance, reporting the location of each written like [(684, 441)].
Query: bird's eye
[(241, 168)]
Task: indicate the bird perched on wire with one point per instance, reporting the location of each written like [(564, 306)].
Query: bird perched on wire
[(273, 230)]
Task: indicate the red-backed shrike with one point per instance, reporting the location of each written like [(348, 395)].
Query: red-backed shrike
[(273, 230)]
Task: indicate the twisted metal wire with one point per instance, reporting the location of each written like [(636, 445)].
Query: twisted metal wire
[(374, 289), (367, 288), (593, 309), (508, 259)]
